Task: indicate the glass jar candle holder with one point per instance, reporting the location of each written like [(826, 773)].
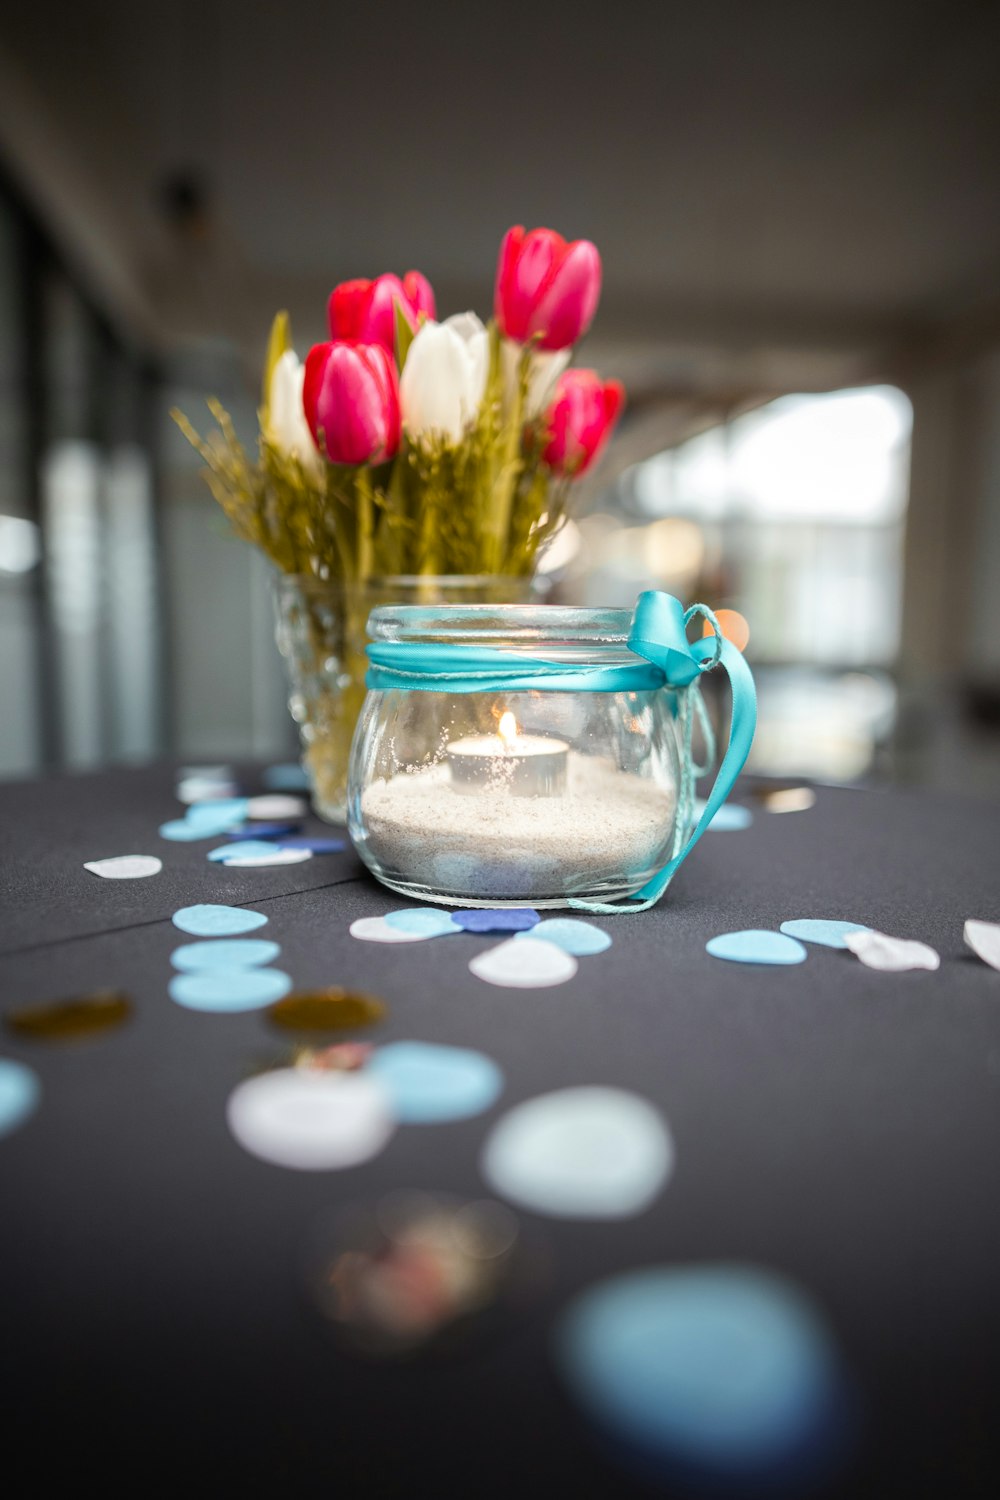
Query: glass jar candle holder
[(516, 755)]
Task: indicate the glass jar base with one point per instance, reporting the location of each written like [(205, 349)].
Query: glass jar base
[(540, 903)]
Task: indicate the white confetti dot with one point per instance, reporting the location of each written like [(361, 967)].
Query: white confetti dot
[(275, 805), (891, 955), (593, 1153), (125, 866), (276, 857), (312, 1121), (984, 940), (377, 930), (524, 966)]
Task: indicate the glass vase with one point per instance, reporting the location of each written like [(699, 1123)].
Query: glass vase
[(320, 630)]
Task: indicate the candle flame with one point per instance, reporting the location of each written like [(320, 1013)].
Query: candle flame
[(507, 729)]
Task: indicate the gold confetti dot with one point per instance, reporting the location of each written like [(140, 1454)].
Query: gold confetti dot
[(332, 1009), (789, 799), (68, 1020)]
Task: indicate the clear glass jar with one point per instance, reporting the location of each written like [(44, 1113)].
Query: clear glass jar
[(515, 798)]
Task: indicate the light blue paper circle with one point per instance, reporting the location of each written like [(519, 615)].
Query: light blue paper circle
[(732, 817), (286, 778), (211, 920), (19, 1094), (230, 989), (582, 939), (224, 810), (822, 930), (427, 1083), (180, 832), (756, 946), (426, 920), (725, 1372), (240, 849), (224, 953)]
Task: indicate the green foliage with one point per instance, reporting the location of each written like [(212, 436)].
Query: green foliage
[(485, 505)]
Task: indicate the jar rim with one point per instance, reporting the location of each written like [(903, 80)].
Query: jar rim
[(518, 623)]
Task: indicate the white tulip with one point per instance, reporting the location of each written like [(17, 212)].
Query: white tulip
[(444, 377), (287, 427), (544, 368)]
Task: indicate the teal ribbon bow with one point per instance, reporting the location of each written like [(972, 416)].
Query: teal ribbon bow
[(665, 658)]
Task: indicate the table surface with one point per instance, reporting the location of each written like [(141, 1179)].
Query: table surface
[(832, 1123)]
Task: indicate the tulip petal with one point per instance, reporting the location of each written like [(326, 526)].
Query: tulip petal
[(565, 309)]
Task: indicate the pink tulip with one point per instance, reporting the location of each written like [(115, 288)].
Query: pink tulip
[(364, 310), (351, 401), (580, 420), (546, 287)]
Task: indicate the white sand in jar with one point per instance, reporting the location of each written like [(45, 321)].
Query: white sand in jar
[(607, 829)]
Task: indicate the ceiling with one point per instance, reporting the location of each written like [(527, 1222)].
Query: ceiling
[(805, 188)]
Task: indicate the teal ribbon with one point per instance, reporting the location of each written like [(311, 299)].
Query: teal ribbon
[(665, 658)]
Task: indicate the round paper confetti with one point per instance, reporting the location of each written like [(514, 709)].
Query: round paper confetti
[(524, 966), (581, 1153), (286, 778), (427, 921), (377, 930), (179, 831), (225, 852), (68, 1020), (984, 940), (229, 990), (211, 920), (822, 930), (731, 817), (332, 1009), (892, 955), (571, 935), (726, 1373), (217, 811), (426, 1083), (19, 1094), (275, 805), (254, 832), (318, 846), (224, 953), (125, 866), (788, 799), (505, 919), (756, 946), (310, 1120), (243, 859), (205, 788)]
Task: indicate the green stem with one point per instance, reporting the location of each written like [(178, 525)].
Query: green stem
[(366, 526)]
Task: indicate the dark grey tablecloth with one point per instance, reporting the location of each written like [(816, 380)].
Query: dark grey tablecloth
[(838, 1125)]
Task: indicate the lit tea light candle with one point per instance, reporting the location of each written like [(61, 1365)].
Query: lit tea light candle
[(528, 765)]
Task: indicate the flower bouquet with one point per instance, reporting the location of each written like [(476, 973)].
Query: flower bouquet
[(411, 459)]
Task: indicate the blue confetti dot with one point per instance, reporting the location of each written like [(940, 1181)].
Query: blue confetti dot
[(228, 810), (756, 946), (286, 778), (571, 935), (427, 1083), (731, 817), (244, 850), (425, 920), (179, 832), (224, 953), (230, 989), (724, 1373), (261, 831), (209, 919), (318, 846), (504, 919), (19, 1094), (822, 930)]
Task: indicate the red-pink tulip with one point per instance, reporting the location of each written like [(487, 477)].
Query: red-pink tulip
[(546, 287), (580, 420), (351, 400), (365, 310)]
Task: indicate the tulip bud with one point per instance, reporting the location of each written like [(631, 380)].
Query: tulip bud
[(545, 288), (580, 420), (351, 401), (286, 426), (364, 311), (444, 377)]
